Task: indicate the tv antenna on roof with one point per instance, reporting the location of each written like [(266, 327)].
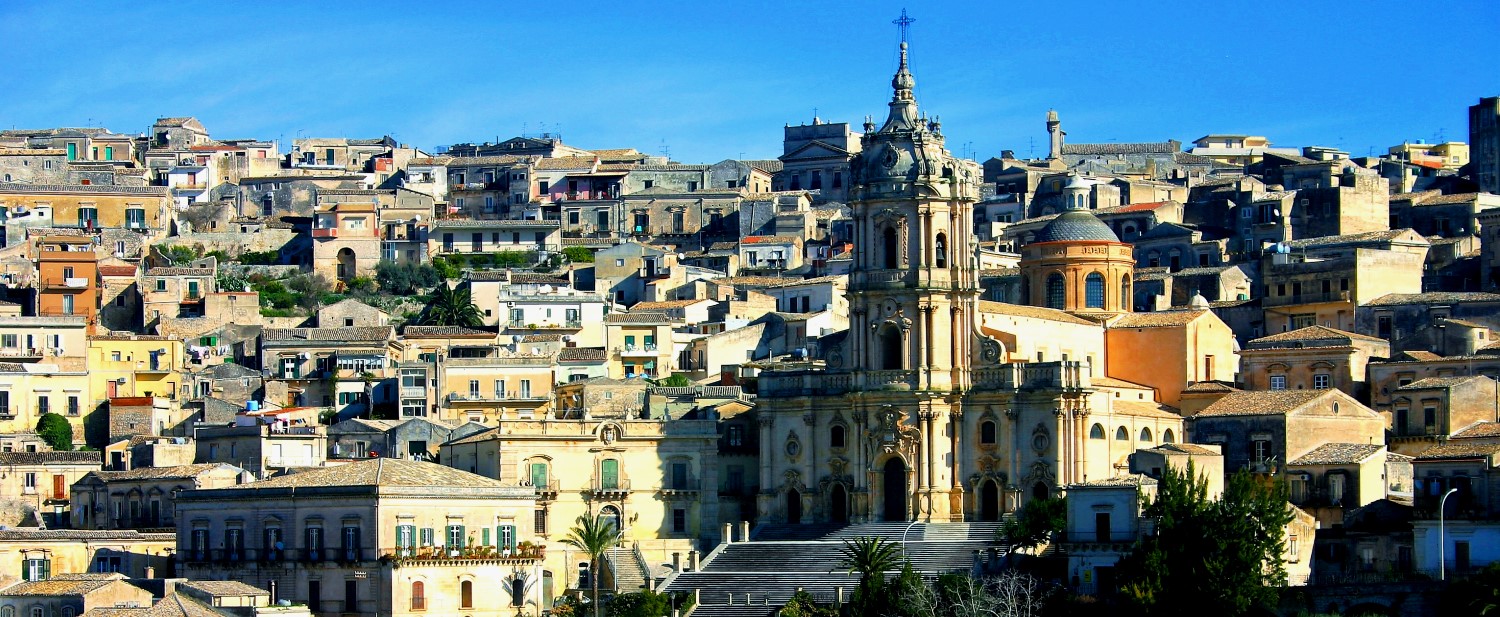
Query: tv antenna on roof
[(666, 151)]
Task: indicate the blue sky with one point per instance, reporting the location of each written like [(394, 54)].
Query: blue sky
[(717, 80)]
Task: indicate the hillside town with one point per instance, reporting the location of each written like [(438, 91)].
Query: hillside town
[(350, 376)]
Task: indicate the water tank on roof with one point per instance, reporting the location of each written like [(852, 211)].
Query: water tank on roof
[(252, 405)]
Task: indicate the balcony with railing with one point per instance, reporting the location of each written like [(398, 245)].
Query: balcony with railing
[(68, 283), (495, 397), (610, 488), (278, 556), (325, 232), (1316, 297), (524, 324), (636, 350), (688, 487), (18, 353)]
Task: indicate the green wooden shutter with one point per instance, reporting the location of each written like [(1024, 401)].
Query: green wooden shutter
[(25, 569), (539, 475), (46, 569), (609, 473), (508, 536), (463, 536), (485, 537)]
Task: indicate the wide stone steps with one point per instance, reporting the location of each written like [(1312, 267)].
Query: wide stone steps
[(628, 575), (957, 556)]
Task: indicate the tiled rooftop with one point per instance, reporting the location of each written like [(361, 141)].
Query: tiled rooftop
[(1032, 312), (1260, 402), (1313, 333), (51, 458), (380, 472), (364, 334), (444, 331), (1159, 319), (1438, 382), (636, 318), (1434, 297), (582, 354), (1452, 451), (162, 473), (1339, 454)]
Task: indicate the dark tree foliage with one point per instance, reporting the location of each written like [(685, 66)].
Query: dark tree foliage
[(1219, 557), (56, 431), (1036, 522), (405, 278), (451, 307)]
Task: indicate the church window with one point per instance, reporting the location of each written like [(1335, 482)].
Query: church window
[(1321, 381), (1093, 288), (987, 432), (940, 250), (1146, 434), (1057, 291), (735, 435), (892, 249), (1097, 432), (1168, 437), (1122, 435), (836, 436), (1125, 293), (1278, 382)]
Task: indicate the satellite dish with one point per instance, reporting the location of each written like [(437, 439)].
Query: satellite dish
[(280, 546), (515, 338)]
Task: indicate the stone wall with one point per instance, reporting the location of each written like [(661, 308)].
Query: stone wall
[(235, 243)]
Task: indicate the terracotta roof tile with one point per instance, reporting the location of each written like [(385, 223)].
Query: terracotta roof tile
[(582, 354), (1339, 454), (1160, 319), (1452, 450), (1314, 333), (1434, 297), (1478, 430), (1032, 312), (1439, 382), (1260, 402)]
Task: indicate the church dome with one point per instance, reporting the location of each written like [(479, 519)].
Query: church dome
[(1074, 226)]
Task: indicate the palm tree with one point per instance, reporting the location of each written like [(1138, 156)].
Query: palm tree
[(871, 557), (593, 535), (452, 307)]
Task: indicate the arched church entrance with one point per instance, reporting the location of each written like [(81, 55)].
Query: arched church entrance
[(838, 507), (793, 506), (989, 501), (1040, 491), (894, 486)]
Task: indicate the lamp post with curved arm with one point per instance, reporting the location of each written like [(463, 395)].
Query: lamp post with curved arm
[(1442, 547)]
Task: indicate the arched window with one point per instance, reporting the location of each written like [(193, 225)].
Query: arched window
[(466, 594), (1093, 291), (940, 251), (836, 436), (1057, 291), (892, 249), (38, 611), (1146, 434), (8, 611), (611, 515), (1125, 293), (1122, 435), (418, 596), (1097, 432), (987, 432), (1168, 437)]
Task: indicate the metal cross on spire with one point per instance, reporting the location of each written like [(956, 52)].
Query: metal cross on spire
[(903, 23)]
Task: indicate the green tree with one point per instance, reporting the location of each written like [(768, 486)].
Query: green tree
[(675, 380), (1220, 557), (451, 307), (645, 603), (180, 255), (593, 535), (1475, 596), (56, 431), (1037, 521), (871, 557), (405, 278), (802, 604), (579, 254)]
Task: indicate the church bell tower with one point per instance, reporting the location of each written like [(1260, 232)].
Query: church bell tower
[(914, 285)]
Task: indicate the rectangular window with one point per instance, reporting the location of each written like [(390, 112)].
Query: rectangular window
[(1321, 381), (351, 543), (679, 520), (455, 539), (1278, 382), (539, 522), (1429, 420), (406, 540), (73, 409), (36, 569), (43, 405), (425, 536), (505, 537)]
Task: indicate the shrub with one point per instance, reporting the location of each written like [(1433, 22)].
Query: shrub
[(579, 254), (259, 258), (56, 431), (406, 278)]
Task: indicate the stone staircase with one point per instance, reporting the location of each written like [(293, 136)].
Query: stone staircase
[(757, 577), (629, 575)]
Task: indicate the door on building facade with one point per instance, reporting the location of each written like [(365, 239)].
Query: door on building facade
[(895, 490), (989, 501), (793, 506), (609, 474), (838, 510)]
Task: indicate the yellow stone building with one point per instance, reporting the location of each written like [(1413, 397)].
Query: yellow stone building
[(134, 365), (934, 406)]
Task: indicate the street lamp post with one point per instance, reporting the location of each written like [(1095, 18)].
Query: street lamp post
[(1442, 548)]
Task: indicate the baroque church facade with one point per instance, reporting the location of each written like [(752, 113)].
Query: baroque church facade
[(937, 406)]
